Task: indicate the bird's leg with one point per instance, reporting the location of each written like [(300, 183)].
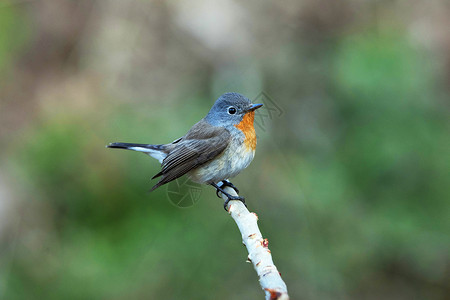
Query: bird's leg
[(229, 197), (228, 183)]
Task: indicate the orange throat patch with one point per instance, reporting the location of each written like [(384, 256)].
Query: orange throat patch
[(246, 126)]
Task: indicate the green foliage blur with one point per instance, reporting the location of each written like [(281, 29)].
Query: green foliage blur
[(351, 178)]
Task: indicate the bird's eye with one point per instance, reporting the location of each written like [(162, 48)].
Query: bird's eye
[(231, 110)]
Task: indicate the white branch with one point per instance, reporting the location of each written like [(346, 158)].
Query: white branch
[(257, 247)]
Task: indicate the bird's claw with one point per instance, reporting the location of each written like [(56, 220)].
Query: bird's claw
[(228, 183), (225, 204)]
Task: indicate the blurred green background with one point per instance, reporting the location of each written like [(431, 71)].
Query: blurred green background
[(351, 178)]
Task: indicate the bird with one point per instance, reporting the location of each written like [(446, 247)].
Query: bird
[(215, 149)]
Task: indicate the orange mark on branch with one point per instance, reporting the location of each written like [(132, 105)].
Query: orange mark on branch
[(273, 294), (246, 126)]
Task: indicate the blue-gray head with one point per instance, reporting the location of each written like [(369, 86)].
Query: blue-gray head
[(230, 109)]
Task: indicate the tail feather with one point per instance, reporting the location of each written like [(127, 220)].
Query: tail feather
[(132, 145), (155, 151)]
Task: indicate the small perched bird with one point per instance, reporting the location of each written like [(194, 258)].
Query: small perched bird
[(215, 149)]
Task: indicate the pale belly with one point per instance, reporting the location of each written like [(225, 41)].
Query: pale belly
[(229, 164)]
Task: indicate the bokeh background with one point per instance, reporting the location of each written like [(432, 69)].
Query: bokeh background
[(350, 181)]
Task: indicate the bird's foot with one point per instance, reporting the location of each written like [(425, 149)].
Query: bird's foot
[(225, 204), (226, 183)]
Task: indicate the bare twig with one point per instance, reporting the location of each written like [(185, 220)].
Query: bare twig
[(257, 247)]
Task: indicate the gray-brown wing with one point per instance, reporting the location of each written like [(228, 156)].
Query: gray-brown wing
[(188, 154)]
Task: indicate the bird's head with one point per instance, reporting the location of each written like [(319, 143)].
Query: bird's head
[(230, 109)]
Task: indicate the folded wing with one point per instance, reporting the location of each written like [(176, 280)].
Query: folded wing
[(201, 144)]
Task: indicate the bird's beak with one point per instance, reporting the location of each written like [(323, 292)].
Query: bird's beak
[(254, 107)]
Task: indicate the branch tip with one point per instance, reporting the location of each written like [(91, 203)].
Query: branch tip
[(274, 295)]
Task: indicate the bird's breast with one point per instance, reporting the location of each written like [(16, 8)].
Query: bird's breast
[(248, 129)]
